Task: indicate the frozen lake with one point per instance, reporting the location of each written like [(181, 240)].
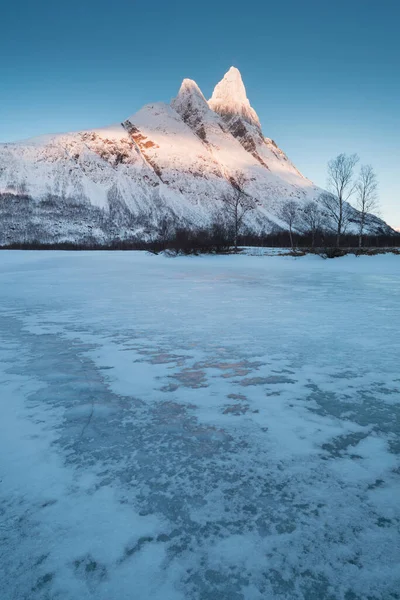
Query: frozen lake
[(201, 428)]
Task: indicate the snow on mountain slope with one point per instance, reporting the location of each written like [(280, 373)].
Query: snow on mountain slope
[(81, 165), (188, 175), (265, 184), (171, 162), (229, 100)]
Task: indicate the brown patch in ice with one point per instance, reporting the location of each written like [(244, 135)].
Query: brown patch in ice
[(158, 356), (236, 373), (253, 381), (272, 379), (236, 409), (279, 379), (171, 387), (191, 378), (168, 410), (237, 396), (165, 357), (230, 369)]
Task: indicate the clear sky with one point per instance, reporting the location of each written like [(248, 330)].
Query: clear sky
[(324, 77)]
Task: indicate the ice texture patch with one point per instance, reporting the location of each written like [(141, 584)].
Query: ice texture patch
[(199, 428)]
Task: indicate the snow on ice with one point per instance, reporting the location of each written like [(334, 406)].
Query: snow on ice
[(199, 428)]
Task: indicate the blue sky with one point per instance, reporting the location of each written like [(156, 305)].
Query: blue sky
[(323, 77)]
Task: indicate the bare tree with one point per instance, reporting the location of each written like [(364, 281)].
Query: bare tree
[(313, 219), (367, 196), (289, 213), (338, 212), (341, 187), (237, 203)]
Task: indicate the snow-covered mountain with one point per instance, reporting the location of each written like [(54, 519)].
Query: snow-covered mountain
[(164, 163)]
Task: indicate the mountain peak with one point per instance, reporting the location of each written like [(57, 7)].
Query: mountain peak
[(234, 75), (189, 92), (189, 100), (188, 86), (229, 99)]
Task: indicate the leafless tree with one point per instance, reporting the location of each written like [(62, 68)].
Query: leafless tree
[(367, 196), (289, 214), (313, 219), (341, 186), (237, 203)]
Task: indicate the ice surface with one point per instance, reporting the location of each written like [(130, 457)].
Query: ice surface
[(199, 428)]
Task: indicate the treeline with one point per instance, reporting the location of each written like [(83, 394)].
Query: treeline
[(282, 239), (218, 240)]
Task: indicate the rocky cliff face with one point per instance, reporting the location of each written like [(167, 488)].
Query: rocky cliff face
[(166, 162)]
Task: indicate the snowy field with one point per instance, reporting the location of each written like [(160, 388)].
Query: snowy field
[(201, 428)]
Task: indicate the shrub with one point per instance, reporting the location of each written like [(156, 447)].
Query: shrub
[(331, 252)]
